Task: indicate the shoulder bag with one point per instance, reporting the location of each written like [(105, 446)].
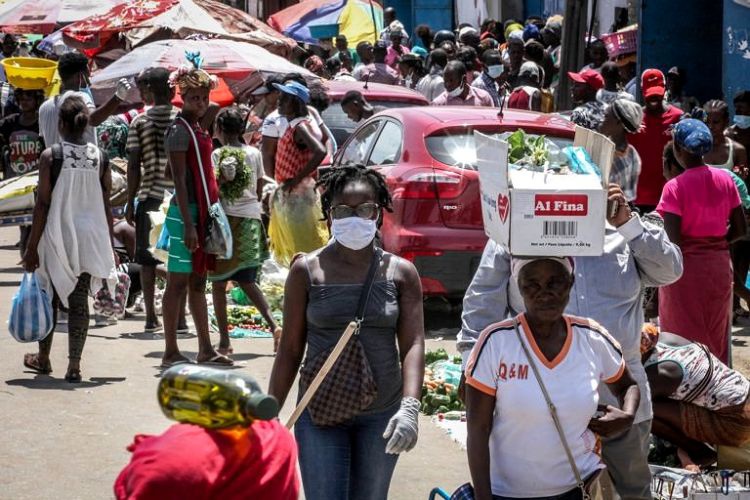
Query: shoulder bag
[(590, 487), (218, 240), (338, 384)]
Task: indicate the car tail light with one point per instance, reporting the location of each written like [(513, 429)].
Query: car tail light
[(411, 255), (430, 184)]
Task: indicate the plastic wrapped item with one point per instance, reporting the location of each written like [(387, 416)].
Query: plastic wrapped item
[(108, 306), (579, 161), (31, 311), (295, 222)]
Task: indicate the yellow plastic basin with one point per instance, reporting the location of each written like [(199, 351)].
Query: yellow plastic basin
[(29, 73)]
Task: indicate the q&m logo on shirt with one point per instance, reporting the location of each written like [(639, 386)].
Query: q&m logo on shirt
[(513, 370), (561, 205)]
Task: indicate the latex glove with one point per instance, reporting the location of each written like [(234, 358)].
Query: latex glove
[(123, 87), (402, 429)]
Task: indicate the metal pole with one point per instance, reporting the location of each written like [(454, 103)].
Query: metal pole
[(374, 22), (574, 26), (591, 24)]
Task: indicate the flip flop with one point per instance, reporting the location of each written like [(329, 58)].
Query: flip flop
[(224, 351), (31, 361), (218, 360), (175, 363)]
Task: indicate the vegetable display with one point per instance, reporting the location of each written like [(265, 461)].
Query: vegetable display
[(440, 387), (527, 150)]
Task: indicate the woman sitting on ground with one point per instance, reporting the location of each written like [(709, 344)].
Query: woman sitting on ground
[(697, 399), (513, 446)]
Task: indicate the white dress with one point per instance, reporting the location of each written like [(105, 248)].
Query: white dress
[(76, 237)]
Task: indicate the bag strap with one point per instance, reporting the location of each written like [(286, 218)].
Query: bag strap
[(198, 157), (57, 163), (367, 289), (553, 413), (351, 330)]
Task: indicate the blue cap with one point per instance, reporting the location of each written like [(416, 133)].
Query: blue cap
[(693, 136), (294, 88)]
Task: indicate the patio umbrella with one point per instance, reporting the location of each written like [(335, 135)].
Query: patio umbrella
[(309, 21), (43, 16), (242, 65), (140, 21)]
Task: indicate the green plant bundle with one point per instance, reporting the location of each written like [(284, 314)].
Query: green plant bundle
[(231, 191)]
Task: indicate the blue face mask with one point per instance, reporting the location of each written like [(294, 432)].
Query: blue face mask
[(495, 71), (85, 87), (742, 121)]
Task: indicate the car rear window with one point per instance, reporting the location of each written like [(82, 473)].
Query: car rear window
[(342, 127), (458, 149)]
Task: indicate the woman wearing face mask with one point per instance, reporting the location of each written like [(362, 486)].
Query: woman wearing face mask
[(355, 459), (740, 131)]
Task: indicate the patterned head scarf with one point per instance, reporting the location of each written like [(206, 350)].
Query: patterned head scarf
[(629, 113), (192, 77), (649, 337), (693, 136)]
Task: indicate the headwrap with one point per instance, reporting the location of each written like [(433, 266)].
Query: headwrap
[(531, 32), (513, 27), (517, 264), (517, 34), (192, 77), (629, 114), (421, 52), (693, 136), (649, 337)]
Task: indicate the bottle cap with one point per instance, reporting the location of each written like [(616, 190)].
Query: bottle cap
[(262, 406)]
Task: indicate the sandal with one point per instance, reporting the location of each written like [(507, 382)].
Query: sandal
[(73, 376), (224, 351), (31, 361), (218, 360)]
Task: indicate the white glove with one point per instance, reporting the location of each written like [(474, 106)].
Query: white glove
[(123, 87), (403, 427)]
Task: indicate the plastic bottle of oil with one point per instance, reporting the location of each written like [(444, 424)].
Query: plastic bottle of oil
[(213, 398)]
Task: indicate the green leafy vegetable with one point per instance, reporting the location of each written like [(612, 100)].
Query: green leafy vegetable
[(231, 191)]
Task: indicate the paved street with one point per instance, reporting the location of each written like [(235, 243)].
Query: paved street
[(64, 441)]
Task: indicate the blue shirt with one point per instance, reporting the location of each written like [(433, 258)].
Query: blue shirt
[(608, 289)]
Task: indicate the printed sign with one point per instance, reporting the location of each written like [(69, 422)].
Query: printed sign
[(560, 205)]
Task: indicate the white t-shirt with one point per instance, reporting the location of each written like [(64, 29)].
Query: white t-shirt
[(49, 115), (275, 125), (247, 205), (526, 455)]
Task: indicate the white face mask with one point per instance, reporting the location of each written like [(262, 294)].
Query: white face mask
[(742, 121), (354, 232), (495, 71), (457, 91)]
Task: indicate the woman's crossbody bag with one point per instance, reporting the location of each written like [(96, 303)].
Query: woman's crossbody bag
[(338, 383), (590, 488), (218, 240)]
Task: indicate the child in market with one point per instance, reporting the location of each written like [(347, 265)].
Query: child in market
[(240, 175)]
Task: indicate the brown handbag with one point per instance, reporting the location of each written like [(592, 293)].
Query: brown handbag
[(348, 386)]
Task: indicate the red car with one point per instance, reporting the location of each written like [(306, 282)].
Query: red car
[(428, 157), (377, 94)]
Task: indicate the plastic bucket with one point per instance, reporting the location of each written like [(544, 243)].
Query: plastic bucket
[(29, 73)]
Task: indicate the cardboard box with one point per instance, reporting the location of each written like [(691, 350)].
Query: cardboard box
[(544, 214)]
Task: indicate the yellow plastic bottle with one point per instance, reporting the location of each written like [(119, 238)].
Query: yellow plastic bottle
[(213, 398)]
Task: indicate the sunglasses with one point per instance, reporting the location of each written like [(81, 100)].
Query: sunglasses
[(363, 211)]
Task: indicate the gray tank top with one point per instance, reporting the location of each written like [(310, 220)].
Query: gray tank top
[(330, 308)]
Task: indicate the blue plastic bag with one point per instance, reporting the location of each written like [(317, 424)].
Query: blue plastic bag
[(31, 311), (580, 162), (163, 242)]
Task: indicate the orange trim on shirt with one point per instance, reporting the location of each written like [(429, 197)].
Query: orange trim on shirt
[(535, 347), (476, 384), (593, 325), (617, 376), (483, 337)]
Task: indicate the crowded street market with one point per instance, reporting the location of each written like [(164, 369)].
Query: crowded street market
[(372, 249)]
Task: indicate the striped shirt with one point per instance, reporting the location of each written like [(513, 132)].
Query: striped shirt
[(146, 136)]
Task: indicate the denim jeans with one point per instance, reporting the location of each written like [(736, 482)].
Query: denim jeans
[(348, 461)]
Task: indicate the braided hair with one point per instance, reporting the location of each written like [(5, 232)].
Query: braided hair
[(717, 106), (335, 180)]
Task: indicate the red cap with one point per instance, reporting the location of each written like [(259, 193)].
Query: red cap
[(588, 76), (652, 83)]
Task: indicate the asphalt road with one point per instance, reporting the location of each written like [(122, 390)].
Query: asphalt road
[(64, 441)]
